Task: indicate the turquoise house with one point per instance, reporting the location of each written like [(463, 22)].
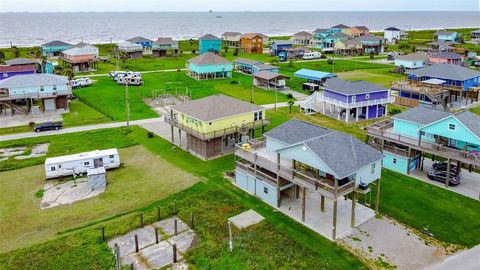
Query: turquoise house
[(209, 43), (209, 66), (53, 48), (459, 131), (319, 37), (412, 60), (446, 36)]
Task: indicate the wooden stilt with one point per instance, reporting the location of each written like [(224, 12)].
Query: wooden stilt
[(171, 118), (354, 201), (377, 201), (334, 228), (322, 203), (447, 179), (304, 197)]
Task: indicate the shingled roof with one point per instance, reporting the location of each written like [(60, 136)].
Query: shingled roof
[(342, 153), (33, 80), (20, 61), (351, 87), (215, 107), (445, 71), (139, 39), (208, 58), (56, 43)]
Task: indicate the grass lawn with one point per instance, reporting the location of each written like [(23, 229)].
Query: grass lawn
[(377, 76), (66, 144), (475, 110), (109, 98), (81, 114), (136, 184)]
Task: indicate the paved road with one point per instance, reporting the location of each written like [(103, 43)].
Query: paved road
[(77, 129), (465, 260)]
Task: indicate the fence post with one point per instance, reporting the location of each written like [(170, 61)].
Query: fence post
[(175, 226), (141, 219), (174, 252), (156, 235), (136, 243), (192, 221), (158, 213), (117, 255), (103, 233), (174, 207)]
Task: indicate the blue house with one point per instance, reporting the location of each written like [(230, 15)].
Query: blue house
[(319, 35), (445, 36), (314, 78), (17, 66), (209, 43), (341, 28), (53, 48), (298, 156), (451, 74), (349, 100), (144, 42), (209, 66), (280, 47), (371, 43), (252, 66), (412, 60), (425, 129), (330, 40)]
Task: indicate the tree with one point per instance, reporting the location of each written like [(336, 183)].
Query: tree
[(124, 56), (290, 104), (68, 71), (15, 51), (372, 54), (225, 49), (2, 56)]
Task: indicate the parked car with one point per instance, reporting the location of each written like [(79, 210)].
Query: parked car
[(441, 176), (80, 82), (442, 166), (48, 126)]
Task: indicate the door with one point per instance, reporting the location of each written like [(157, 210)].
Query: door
[(98, 162)]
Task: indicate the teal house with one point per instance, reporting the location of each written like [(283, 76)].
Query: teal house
[(446, 36), (209, 66), (209, 43), (299, 157), (424, 129), (53, 48)]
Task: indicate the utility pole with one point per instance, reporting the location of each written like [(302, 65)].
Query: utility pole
[(276, 95), (127, 104), (251, 92)]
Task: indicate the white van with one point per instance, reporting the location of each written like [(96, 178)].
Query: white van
[(312, 55)]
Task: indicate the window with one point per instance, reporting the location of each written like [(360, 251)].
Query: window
[(86, 163), (367, 96), (59, 166), (265, 190), (257, 116), (111, 156), (372, 169), (5, 75), (52, 169), (41, 88), (394, 161), (452, 127), (54, 88)]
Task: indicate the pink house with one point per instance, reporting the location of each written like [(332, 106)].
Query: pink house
[(359, 31), (82, 57), (446, 57)]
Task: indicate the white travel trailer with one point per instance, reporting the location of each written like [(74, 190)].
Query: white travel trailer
[(312, 55), (77, 164), (80, 82), (130, 80)]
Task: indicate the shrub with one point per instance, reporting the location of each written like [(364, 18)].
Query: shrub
[(234, 82), (150, 134), (289, 95), (394, 111), (31, 124)]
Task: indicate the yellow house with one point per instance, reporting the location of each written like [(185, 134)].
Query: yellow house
[(214, 124)]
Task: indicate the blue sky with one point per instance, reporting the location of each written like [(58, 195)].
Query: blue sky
[(238, 5)]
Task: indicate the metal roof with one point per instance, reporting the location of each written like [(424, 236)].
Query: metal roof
[(434, 81), (445, 71), (129, 46), (139, 39), (55, 43), (447, 55), (215, 107), (314, 75), (246, 61), (262, 66), (342, 153), (268, 75), (20, 61), (33, 80), (208, 58), (352, 87), (413, 57), (209, 37), (81, 156)]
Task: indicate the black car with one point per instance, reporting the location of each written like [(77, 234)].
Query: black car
[(48, 126), (442, 166), (441, 176)]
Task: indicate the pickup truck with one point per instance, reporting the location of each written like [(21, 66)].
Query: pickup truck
[(48, 126)]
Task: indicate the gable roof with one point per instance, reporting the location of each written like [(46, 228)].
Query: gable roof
[(282, 42), (340, 26), (56, 43), (370, 38), (20, 61), (392, 29), (470, 121), (209, 37), (342, 153), (447, 55), (165, 41), (444, 33), (313, 74), (82, 49), (215, 107), (303, 34), (208, 58), (231, 34), (422, 115), (338, 35), (246, 61), (139, 39), (361, 28), (268, 75), (33, 80), (128, 45), (445, 71), (262, 66), (251, 35), (321, 30), (351, 87), (413, 57)]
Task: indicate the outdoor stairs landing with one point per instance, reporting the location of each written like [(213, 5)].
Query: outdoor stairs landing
[(14, 107), (439, 100), (309, 105)]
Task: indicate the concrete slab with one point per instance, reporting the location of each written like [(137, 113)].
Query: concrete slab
[(38, 117), (163, 130), (184, 240), (394, 243), (38, 150), (67, 193), (246, 219), (167, 225), (465, 260), (153, 257), (146, 237), (469, 186), (322, 222)]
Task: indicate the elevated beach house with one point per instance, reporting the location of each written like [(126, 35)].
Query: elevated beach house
[(214, 124), (314, 78), (82, 57), (475, 36), (349, 100), (17, 66), (445, 36), (348, 47), (342, 28), (393, 35), (302, 38), (249, 66), (209, 43), (165, 47), (319, 36), (144, 42), (446, 57), (412, 60), (133, 50), (53, 48), (232, 39), (251, 43), (50, 90), (409, 136), (209, 66), (371, 44), (269, 80), (297, 160), (280, 47), (358, 31)]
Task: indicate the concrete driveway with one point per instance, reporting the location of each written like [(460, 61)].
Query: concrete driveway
[(469, 186)]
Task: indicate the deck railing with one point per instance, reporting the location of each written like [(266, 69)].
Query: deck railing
[(10, 96), (320, 97), (419, 87), (216, 133)]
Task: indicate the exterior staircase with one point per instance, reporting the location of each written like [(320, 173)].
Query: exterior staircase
[(436, 99), (14, 107), (309, 105)]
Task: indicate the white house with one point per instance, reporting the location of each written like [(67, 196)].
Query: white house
[(80, 163), (393, 35)]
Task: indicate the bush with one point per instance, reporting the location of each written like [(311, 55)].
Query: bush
[(394, 111), (31, 124), (234, 82), (290, 96), (150, 134)]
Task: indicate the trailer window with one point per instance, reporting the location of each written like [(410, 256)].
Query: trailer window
[(59, 166), (52, 169), (111, 156), (86, 163)]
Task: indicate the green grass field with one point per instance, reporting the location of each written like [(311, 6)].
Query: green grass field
[(376, 76), (80, 114)]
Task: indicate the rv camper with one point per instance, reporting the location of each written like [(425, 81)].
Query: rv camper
[(80, 163), (130, 80)]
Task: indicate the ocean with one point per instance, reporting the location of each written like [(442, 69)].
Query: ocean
[(27, 29)]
